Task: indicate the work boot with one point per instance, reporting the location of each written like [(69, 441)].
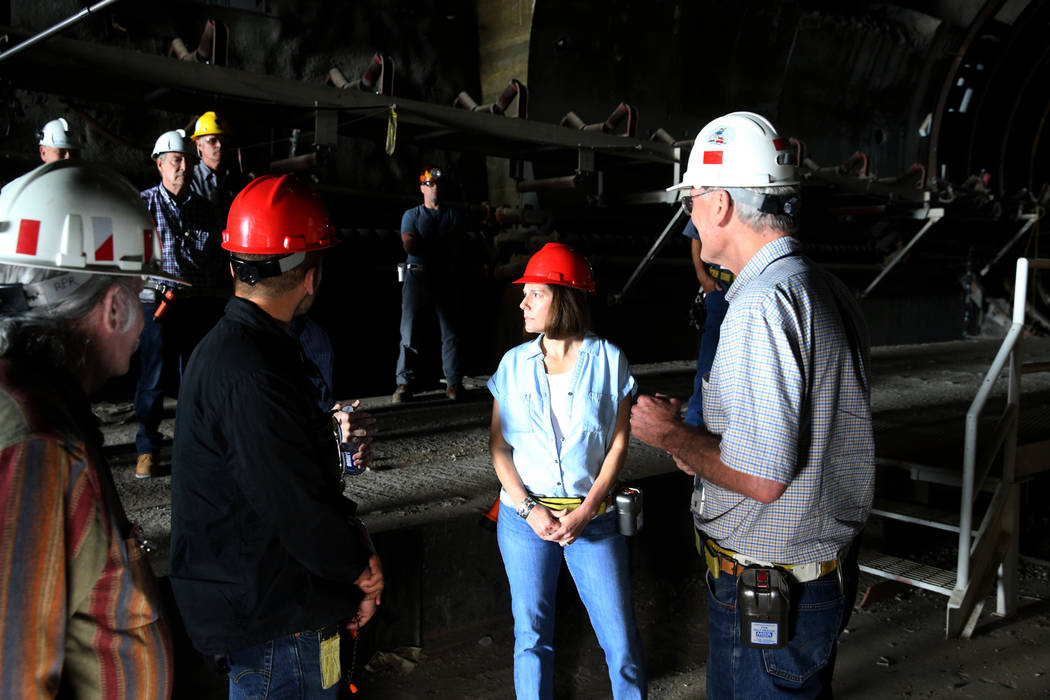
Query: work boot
[(144, 467), (401, 394), (453, 392)]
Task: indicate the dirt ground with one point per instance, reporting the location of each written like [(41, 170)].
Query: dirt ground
[(433, 465)]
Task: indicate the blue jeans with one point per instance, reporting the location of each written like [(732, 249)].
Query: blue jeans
[(283, 668), (820, 610), (164, 350), (715, 303), (420, 294), (598, 563)]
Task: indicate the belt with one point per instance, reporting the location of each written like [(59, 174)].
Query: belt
[(569, 504), (721, 560), (720, 274)]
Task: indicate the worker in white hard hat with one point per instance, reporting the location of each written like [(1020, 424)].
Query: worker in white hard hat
[(57, 142), (215, 177), (79, 606), (189, 229), (785, 469)]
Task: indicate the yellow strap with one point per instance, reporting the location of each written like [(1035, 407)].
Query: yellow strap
[(569, 504), (391, 131), (711, 550), (331, 669)]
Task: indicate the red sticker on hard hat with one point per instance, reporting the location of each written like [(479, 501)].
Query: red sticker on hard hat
[(712, 157), (28, 233), (102, 232), (780, 144)]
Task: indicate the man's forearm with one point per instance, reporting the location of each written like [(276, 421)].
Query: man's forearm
[(699, 450)]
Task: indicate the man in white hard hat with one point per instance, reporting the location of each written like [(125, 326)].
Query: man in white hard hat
[(80, 614), (785, 467), (57, 142), (189, 232), (213, 177)]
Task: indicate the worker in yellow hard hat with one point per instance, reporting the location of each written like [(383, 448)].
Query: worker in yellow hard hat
[(217, 177)]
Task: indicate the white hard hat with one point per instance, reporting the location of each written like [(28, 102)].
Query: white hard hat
[(171, 142), (741, 149), (56, 134), (81, 217)]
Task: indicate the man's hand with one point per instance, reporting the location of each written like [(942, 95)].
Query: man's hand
[(708, 283), (365, 610), (357, 428), (683, 466), (653, 418), (371, 580)]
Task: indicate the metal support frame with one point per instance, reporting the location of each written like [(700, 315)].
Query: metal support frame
[(1029, 221), (654, 250), (932, 216)]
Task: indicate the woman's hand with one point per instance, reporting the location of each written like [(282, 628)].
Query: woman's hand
[(571, 524), (544, 522)]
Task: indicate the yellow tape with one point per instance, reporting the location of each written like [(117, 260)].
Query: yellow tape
[(330, 668), (391, 131)]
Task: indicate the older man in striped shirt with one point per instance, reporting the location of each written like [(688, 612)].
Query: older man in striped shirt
[(785, 467)]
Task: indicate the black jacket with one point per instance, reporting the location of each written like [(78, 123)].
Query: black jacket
[(261, 543)]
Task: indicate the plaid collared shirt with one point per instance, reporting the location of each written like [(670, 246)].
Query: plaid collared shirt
[(788, 394), (189, 235)]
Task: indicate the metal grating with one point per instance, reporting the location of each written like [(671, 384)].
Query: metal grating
[(912, 573)]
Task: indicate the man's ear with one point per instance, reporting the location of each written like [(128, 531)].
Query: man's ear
[(160, 160), (114, 310), (312, 279), (722, 211)]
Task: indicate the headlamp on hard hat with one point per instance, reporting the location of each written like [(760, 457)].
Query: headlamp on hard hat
[(430, 176)]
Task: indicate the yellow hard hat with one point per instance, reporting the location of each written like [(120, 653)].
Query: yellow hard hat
[(210, 123)]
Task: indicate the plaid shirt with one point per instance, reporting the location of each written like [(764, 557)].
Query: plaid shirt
[(79, 606), (788, 394), (189, 235)]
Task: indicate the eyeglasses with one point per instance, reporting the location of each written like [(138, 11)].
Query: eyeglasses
[(687, 200), (211, 140)]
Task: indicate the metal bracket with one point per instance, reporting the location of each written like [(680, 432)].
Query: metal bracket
[(932, 216)]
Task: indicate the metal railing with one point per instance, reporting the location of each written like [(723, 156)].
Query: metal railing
[(993, 549)]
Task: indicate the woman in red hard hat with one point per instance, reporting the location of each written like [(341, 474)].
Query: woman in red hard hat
[(558, 440)]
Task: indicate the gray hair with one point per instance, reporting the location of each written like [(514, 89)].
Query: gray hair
[(757, 220), (54, 331)]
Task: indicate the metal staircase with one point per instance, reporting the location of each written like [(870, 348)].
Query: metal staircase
[(987, 537)]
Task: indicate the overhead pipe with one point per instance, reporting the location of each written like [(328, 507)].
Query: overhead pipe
[(47, 33), (573, 121), (515, 89), (307, 161), (213, 47), (554, 184), (380, 72), (661, 135)]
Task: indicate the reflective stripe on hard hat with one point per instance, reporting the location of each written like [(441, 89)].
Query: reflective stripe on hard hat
[(80, 217)]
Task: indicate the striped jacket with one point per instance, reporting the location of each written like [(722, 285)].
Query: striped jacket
[(80, 608)]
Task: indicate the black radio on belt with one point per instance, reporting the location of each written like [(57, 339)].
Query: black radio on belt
[(764, 603)]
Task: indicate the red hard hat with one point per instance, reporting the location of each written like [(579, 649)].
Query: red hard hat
[(557, 263), (277, 215)]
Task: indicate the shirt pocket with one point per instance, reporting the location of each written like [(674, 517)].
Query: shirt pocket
[(515, 413), (599, 412)]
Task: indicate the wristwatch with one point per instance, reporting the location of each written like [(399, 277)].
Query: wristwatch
[(526, 506)]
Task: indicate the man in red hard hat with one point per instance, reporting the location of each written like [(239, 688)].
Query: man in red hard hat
[(268, 561)]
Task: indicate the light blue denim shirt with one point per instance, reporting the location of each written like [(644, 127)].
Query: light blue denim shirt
[(601, 379)]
